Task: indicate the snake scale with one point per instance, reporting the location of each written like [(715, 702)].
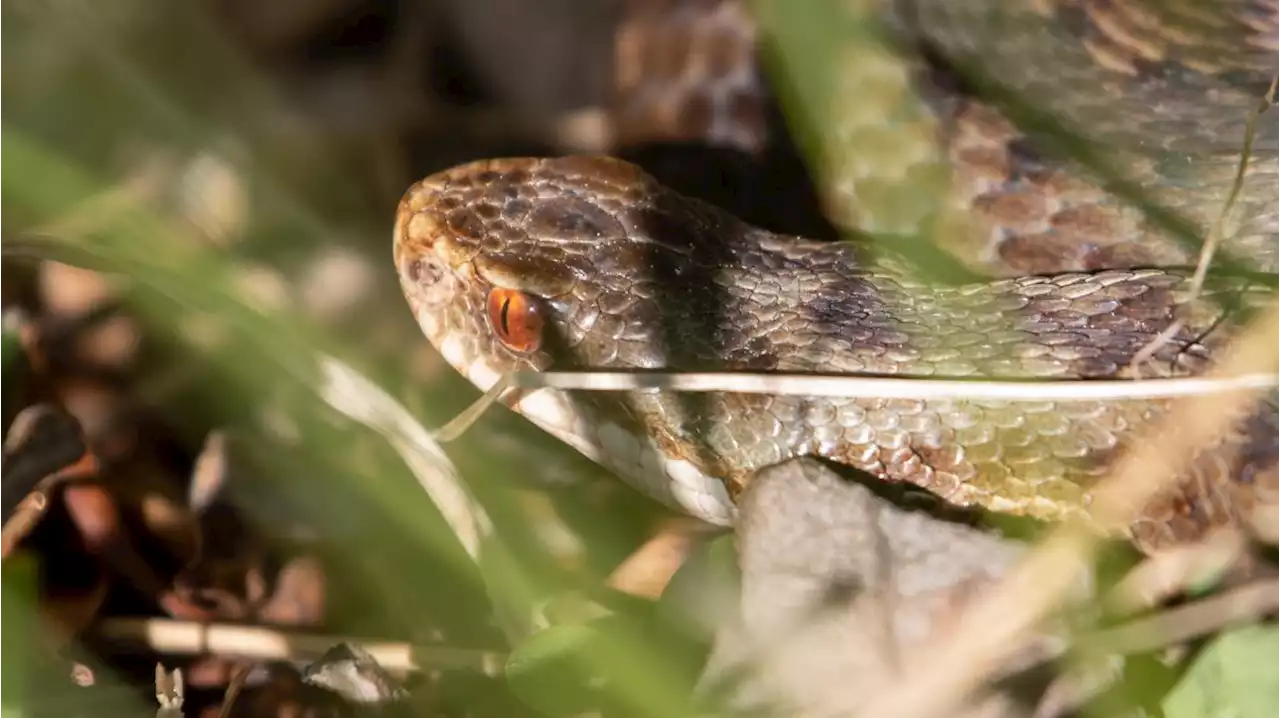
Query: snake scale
[(593, 263)]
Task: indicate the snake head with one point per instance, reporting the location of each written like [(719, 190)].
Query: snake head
[(525, 264), (520, 264)]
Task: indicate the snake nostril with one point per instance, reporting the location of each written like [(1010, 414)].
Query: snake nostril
[(423, 272)]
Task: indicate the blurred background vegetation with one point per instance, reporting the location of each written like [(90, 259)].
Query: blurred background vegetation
[(228, 170), (198, 200)]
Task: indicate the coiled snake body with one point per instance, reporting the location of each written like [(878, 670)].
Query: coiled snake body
[(590, 263)]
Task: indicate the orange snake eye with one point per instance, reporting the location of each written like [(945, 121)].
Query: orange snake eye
[(516, 319)]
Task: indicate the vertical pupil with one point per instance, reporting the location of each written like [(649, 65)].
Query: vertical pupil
[(502, 316)]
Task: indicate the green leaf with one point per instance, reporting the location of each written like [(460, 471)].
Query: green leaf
[(21, 643), (620, 662), (545, 671), (1236, 676)]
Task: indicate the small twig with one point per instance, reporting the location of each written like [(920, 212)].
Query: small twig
[(886, 387), (1177, 625), (648, 570), (1218, 230), (234, 686), (468, 416), (351, 393), (175, 638), (1212, 241)]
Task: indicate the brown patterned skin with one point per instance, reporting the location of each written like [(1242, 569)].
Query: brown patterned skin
[(1162, 90), (629, 274), (626, 273), (686, 71)]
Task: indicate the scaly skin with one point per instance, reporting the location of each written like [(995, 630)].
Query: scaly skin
[(629, 274)]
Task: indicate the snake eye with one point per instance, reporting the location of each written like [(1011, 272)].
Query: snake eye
[(516, 319)]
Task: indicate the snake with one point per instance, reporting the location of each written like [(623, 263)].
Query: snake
[(596, 262)]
